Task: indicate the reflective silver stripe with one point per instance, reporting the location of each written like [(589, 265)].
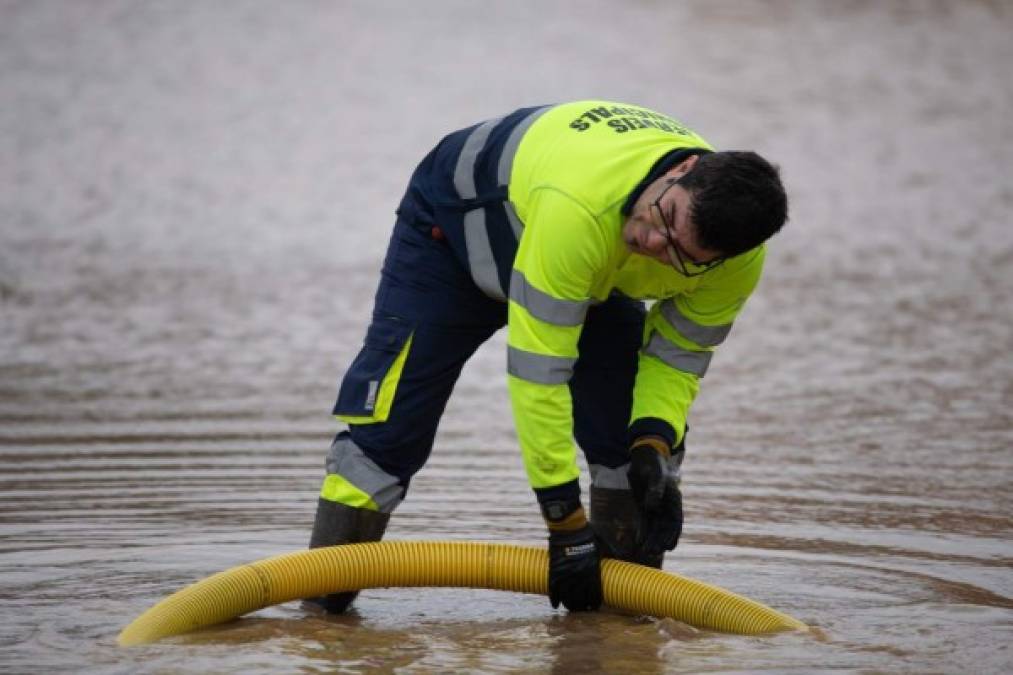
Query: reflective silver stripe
[(506, 160), (705, 336), (675, 356), (515, 222), (613, 479), (543, 306), (476, 236), (506, 165), (480, 258), (348, 461), (539, 368), (464, 172), (619, 478)]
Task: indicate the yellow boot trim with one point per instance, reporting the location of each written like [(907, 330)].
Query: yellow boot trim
[(337, 489)]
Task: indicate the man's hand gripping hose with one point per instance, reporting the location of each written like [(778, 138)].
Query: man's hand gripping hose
[(574, 561), (656, 491)]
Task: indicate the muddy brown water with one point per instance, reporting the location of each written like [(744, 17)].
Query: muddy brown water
[(194, 201)]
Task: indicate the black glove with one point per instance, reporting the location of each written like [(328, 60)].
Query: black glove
[(657, 495), (574, 562)]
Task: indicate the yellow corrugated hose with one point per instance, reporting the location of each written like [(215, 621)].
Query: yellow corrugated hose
[(315, 572)]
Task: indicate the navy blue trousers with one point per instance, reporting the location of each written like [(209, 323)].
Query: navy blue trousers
[(427, 293)]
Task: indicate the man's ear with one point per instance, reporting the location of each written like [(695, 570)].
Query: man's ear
[(683, 167)]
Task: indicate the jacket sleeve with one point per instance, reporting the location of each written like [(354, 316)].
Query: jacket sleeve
[(679, 340), (560, 254)]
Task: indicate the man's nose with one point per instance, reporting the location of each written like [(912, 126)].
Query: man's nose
[(656, 240)]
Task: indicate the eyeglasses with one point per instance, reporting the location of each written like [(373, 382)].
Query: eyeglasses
[(677, 255)]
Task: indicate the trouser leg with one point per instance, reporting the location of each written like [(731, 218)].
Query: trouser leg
[(427, 321)]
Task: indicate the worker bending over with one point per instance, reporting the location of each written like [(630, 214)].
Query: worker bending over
[(557, 221)]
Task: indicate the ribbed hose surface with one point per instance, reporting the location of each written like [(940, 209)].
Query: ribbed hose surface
[(311, 573)]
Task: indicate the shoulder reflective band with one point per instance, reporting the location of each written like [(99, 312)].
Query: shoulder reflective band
[(506, 164), (675, 356), (539, 368), (476, 237), (543, 306), (705, 336), (506, 160)]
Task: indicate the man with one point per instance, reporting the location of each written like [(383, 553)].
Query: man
[(556, 221)]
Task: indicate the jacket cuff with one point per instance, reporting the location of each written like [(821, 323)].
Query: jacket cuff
[(567, 492), (650, 426)]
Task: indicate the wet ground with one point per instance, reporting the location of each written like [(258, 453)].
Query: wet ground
[(194, 201)]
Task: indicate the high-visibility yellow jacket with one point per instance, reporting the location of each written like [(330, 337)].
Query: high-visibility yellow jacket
[(533, 203)]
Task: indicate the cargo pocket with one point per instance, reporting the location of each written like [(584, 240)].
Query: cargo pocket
[(368, 389)]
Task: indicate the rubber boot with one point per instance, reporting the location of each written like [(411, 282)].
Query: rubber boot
[(616, 518), (339, 524)]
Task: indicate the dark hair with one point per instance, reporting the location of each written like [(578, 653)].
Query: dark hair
[(738, 201)]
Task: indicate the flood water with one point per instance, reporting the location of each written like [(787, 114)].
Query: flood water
[(194, 202)]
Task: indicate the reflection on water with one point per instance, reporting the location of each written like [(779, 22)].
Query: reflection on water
[(188, 248)]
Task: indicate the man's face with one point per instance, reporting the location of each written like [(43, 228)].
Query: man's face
[(660, 226)]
